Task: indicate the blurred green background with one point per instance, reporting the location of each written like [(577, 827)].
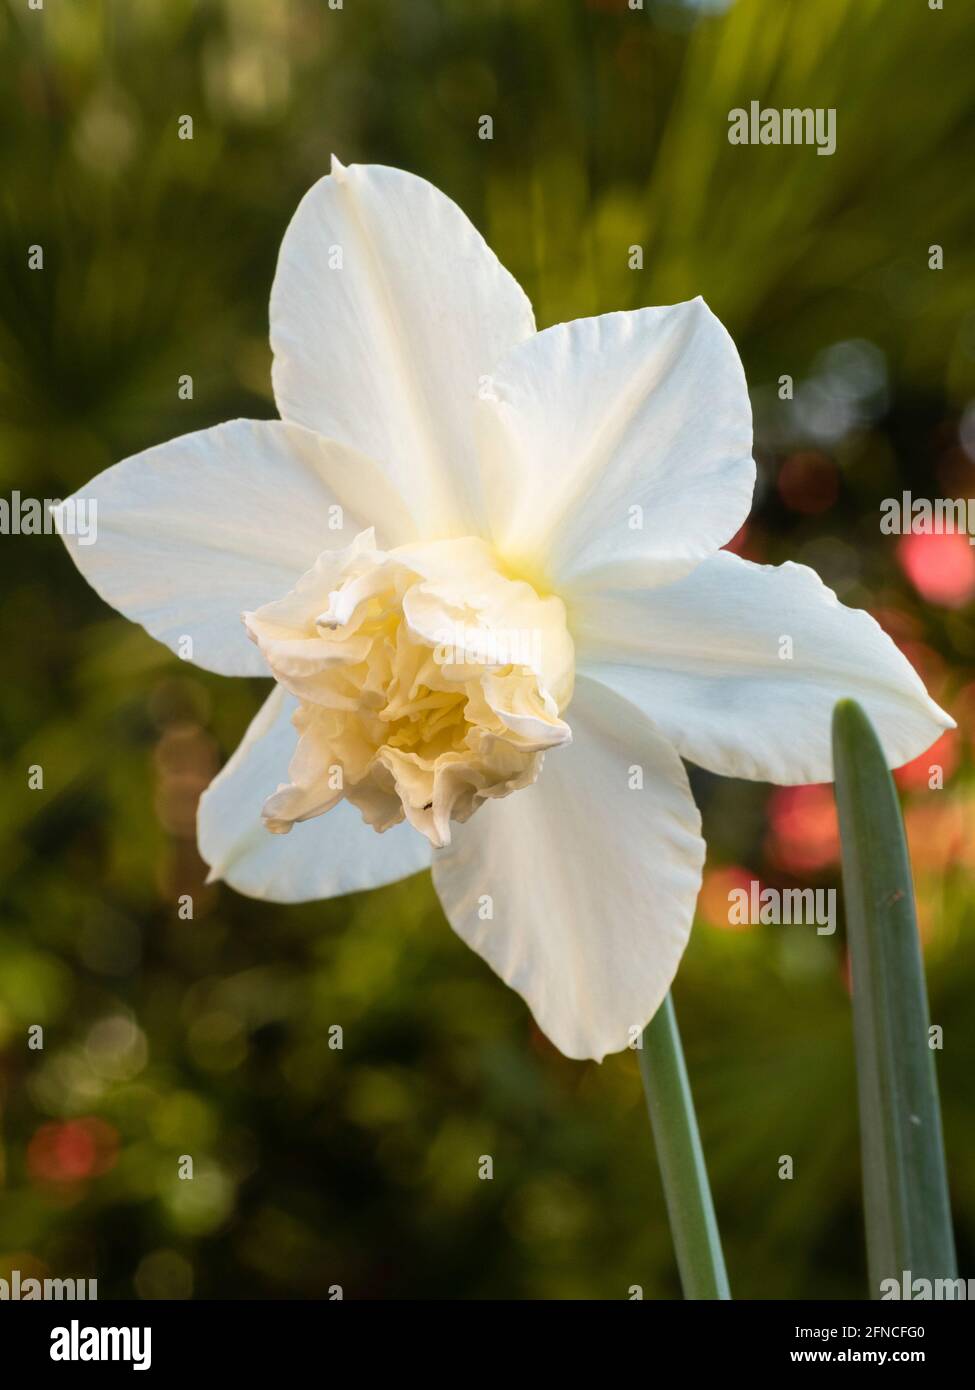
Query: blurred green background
[(316, 1167)]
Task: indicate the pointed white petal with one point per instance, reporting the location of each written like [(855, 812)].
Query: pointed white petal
[(591, 881), (193, 532), (624, 439), (386, 310), (741, 665), (337, 853)]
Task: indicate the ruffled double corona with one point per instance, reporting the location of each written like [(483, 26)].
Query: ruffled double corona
[(428, 683)]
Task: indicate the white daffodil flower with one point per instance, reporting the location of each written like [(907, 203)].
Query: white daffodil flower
[(484, 566)]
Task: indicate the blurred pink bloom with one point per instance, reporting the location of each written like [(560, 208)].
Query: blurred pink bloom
[(804, 831), (941, 568)]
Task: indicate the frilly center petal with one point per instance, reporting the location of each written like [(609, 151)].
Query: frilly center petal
[(428, 682)]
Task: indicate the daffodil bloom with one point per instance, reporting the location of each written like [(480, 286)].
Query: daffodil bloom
[(483, 565)]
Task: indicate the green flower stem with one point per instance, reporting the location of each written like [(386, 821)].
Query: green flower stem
[(689, 1206), (905, 1186)]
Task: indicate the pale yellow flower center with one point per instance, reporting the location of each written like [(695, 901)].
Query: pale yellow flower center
[(428, 682)]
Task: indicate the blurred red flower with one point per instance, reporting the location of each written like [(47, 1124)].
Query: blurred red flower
[(72, 1150)]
